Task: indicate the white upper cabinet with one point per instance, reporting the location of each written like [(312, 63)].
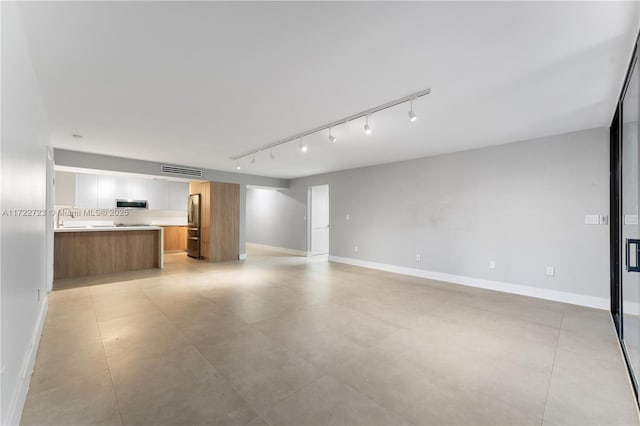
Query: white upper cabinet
[(122, 188), (138, 188), (106, 192), (86, 191), (101, 191), (178, 195), (158, 194), (130, 188)]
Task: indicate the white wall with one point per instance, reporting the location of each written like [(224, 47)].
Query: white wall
[(520, 204), (276, 218), (23, 239)]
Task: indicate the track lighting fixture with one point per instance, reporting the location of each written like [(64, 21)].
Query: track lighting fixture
[(412, 115), (329, 126), (367, 128), (332, 138)]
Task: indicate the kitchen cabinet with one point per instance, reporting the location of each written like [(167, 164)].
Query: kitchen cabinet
[(106, 192), (84, 252), (175, 238), (158, 194), (86, 191), (101, 191), (138, 188), (225, 222), (130, 188), (219, 220), (178, 195), (121, 187)]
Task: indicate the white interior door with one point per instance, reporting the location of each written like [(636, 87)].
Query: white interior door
[(320, 219)]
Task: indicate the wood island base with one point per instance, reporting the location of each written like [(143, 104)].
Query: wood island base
[(93, 252)]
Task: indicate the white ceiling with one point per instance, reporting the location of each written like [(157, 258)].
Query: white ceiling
[(197, 83)]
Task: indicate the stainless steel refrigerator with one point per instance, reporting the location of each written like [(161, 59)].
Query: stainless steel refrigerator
[(193, 227)]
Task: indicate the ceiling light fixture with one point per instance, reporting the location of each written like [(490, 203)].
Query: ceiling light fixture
[(238, 165), (412, 115), (362, 114), (253, 160), (271, 156), (367, 128), (332, 138)]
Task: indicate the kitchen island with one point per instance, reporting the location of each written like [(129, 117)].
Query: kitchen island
[(92, 250)]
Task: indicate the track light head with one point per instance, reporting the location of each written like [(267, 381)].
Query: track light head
[(367, 128), (238, 165), (271, 156), (412, 115), (253, 160), (303, 148), (332, 138)]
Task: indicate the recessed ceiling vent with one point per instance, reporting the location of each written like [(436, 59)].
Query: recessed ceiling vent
[(182, 171)]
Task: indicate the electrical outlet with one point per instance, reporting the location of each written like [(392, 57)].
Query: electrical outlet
[(348, 216), (417, 258), (551, 271), (492, 264), (355, 249)]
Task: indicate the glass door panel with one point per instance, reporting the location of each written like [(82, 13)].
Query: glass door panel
[(630, 244)]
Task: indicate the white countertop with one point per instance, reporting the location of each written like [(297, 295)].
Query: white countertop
[(89, 228), (169, 222)]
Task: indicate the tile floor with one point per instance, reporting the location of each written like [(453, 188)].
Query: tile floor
[(290, 341)]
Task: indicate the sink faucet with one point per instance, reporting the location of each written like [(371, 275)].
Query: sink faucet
[(58, 221), (59, 215)]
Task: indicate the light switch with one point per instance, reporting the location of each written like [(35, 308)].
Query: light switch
[(551, 271), (492, 264), (630, 219), (592, 219), (604, 220)]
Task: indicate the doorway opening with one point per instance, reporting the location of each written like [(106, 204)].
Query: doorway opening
[(318, 220)]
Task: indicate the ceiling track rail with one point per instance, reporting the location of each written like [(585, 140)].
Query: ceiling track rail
[(327, 126)]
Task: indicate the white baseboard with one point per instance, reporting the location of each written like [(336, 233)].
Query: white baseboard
[(24, 379), (631, 308), (280, 249), (541, 293)]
